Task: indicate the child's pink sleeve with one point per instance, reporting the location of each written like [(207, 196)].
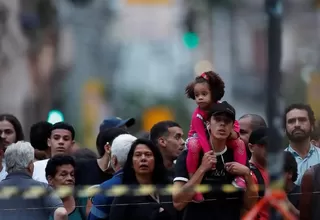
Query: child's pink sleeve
[(198, 126)]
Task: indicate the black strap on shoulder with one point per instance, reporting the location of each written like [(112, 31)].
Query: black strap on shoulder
[(259, 177)]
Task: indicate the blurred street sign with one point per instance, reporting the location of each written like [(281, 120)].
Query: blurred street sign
[(149, 2), (154, 115), (313, 92)]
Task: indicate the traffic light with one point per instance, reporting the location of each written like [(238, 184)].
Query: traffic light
[(190, 37), (55, 116)]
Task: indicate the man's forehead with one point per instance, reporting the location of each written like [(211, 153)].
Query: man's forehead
[(60, 132), (175, 130), (297, 113)]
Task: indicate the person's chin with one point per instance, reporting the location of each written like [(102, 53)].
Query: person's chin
[(221, 137)]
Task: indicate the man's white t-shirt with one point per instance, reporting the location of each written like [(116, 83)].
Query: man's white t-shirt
[(39, 172)]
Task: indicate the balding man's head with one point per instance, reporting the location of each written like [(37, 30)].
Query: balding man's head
[(248, 123), (256, 121)]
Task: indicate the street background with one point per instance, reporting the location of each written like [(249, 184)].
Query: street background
[(92, 59)]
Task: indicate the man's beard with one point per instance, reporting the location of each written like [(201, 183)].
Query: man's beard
[(298, 138)]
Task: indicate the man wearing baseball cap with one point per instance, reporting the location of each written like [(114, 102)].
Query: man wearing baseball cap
[(258, 142), (116, 122), (221, 158)]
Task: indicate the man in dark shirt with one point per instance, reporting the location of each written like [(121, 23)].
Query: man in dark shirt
[(217, 204), (168, 136), (96, 171)]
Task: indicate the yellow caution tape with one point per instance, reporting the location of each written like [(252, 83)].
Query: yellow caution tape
[(114, 191)]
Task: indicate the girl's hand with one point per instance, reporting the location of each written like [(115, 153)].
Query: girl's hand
[(233, 135)]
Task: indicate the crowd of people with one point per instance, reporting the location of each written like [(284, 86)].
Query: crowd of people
[(218, 150)]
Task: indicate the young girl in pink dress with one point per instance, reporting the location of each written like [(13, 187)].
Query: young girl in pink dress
[(206, 90)]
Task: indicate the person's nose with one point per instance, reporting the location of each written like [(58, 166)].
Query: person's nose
[(297, 124), (143, 158), (3, 135)]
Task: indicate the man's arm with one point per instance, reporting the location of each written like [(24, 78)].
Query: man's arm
[(185, 192), (60, 214), (251, 194), (57, 209), (306, 195)]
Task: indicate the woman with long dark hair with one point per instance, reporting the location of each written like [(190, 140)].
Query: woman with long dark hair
[(10, 129), (144, 166)]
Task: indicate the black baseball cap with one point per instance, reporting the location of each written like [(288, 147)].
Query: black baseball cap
[(223, 108), (259, 136)]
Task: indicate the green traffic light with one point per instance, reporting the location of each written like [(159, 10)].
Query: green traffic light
[(191, 40), (55, 116)]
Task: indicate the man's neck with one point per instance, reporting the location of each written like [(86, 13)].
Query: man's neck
[(103, 163), (168, 163), (302, 148), (218, 145), (144, 179), (256, 162), (69, 204)]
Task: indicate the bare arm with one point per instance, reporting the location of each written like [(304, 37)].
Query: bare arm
[(306, 195), (60, 214), (183, 196), (251, 194)]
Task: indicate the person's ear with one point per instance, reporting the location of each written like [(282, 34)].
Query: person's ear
[(162, 141), (250, 146), (50, 180), (107, 148), (48, 142), (30, 167), (114, 161)]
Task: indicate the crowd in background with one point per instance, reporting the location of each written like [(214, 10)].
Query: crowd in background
[(218, 150)]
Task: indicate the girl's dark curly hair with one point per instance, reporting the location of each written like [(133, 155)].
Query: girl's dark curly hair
[(214, 81)]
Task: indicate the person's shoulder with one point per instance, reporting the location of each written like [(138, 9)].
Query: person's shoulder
[(40, 163), (110, 182), (182, 156)]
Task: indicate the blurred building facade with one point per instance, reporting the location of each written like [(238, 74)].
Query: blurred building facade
[(120, 57)]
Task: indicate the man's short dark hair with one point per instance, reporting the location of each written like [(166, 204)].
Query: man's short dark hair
[(290, 165), (107, 136), (300, 106), (84, 153), (257, 121), (161, 129), (56, 161), (39, 134), (64, 126)]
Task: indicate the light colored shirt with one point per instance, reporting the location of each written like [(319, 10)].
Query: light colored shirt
[(3, 173), (304, 164), (39, 172)]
